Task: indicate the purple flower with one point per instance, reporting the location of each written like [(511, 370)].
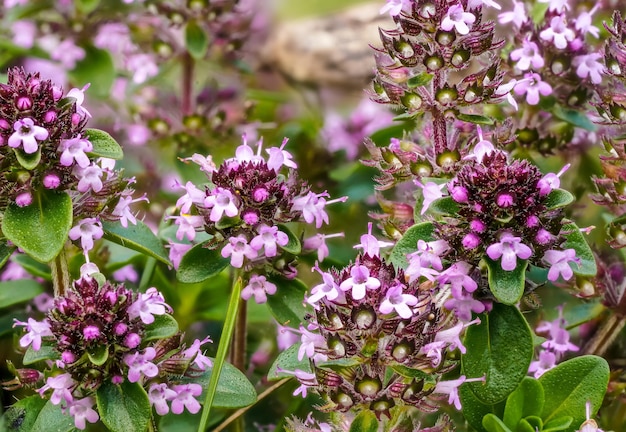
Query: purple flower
[(139, 364), (559, 263), (310, 341), (517, 16), (431, 191), (35, 331), (550, 181), (81, 410), (147, 305), (587, 65), (159, 394), (79, 95), (396, 300), (557, 6), (457, 275), (259, 287), (463, 305), (192, 196), (394, 7), (458, 19), (318, 241), (370, 245), (142, 66), (558, 32), (24, 199), (88, 230), (185, 398), (187, 225), (61, 386), (201, 361), (527, 55), (312, 207), (279, 157), (221, 201), (73, 150), (122, 209), (267, 239), (451, 388), (68, 53), (27, 134), (359, 281), (89, 178), (177, 250), (584, 22), (238, 249), (532, 87), (509, 248)]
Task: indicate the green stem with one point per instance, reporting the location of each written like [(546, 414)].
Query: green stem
[(60, 274), (238, 353), (148, 270), (222, 349)]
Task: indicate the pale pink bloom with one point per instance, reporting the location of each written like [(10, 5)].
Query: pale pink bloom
[(557, 6), (192, 196), (318, 241), (201, 361), (559, 263), (547, 360), (394, 7), (27, 134), (139, 364), (35, 331), (451, 388), (74, 150), (517, 16), (221, 201), (482, 148), (431, 191), (310, 341), (88, 230), (359, 281), (532, 88), (458, 19), (584, 22), (396, 300), (267, 239), (328, 289), (458, 276), (187, 225), (370, 245), (551, 181), (122, 209), (61, 386), (79, 95), (177, 250), (82, 411), (89, 178), (142, 66), (24, 33), (186, 398), (588, 65), (259, 287), (68, 54), (558, 32), (237, 249), (473, 4), (279, 157), (509, 248), (147, 305), (159, 394), (527, 55), (463, 305)]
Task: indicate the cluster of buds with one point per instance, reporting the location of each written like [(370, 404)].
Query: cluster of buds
[(503, 211), (244, 210), (391, 337), (100, 334)]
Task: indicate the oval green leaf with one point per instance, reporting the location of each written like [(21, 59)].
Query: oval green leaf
[(570, 385), (33, 267), (136, 237), (419, 80), (233, 388), (35, 414), (493, 424), (28, 161), (408, 243), (164, 326), (45, 352), (507, 286), (196, 40), (445, 205), (526, 400), (364, 422), (99, 355), (40, 229), (475, 118), (287, 304), (293, 246), (200, 263), (474, 410), (18, 291), (124, 407), (557, 424), (558, 198), (500, 348), (288, 361), (6, 250), (576, 241), (104, 145)]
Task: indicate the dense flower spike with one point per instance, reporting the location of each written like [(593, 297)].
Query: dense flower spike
[(98, 334), (244, 210), (370, 317)]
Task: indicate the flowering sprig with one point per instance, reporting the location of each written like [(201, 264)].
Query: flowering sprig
[(99, 335)]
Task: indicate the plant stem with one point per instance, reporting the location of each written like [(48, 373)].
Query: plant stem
[(243, 410), (605, 335), (222, 349), (186, 107), (60, 274), (238, 354)]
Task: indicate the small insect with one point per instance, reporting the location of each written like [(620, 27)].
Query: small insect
[(15, 417)]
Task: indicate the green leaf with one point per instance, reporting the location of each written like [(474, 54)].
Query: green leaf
[(33, 267), (408, 243), (287, 304), (96, 68), (293, 246), (104, 145), (6, 250), (576, 241), (445, 205), (124, 407), (500, 348), (35, 414), (288, 361), (538, 12), (365, 422), (87, 6), (419, 80), (233, 388), (475, 118), (45, 352), (570, 385), (18, 291), (573, 117), (164, 326), (28, 161), (473, 409), (557, 424), (99, 355), (40, 229), (525, 425), (526, 400), (200, 263), (558, 198), (507, 286), (136, 237), (196, 40), (412, 373), (493, 424)]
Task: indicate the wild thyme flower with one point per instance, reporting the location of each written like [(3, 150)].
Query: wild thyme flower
[(368, 315), (97, 333), (244, 209)]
